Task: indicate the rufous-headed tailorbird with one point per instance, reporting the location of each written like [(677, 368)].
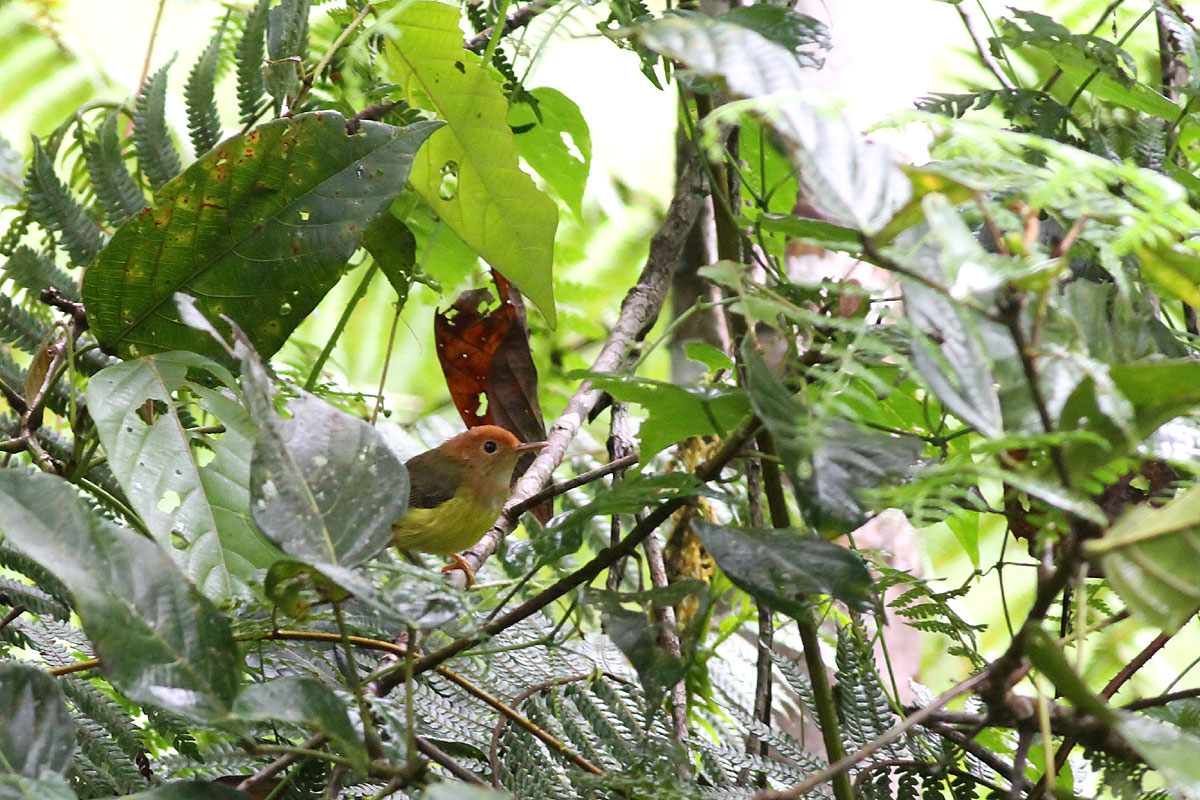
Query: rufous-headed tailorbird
[(457, 490)]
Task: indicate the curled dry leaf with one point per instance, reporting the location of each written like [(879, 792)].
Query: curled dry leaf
[(483, 348)]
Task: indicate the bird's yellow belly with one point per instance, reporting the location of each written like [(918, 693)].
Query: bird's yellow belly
[(453, 526)]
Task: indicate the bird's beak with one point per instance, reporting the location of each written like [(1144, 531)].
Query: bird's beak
[(529, 447)]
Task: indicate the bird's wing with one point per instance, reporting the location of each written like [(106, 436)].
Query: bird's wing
[(432, 480)]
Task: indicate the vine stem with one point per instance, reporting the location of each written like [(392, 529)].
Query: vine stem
[(826, 705), (639, 311)]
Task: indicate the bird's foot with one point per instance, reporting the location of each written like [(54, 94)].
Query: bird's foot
[(464, 565)]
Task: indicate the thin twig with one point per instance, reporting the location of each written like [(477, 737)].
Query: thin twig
[(15, 612), (984, 55), (562, 487), (669, 636), (873, 746), (150, 46), (519, 19), (443, 759)]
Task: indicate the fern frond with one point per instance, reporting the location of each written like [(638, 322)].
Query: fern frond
[(251, 85), (862, 704), (56, 209), (1150, 141), (156, 153), (19, 328), (114, 185), (13, 593), (34, 272), (204, 124)]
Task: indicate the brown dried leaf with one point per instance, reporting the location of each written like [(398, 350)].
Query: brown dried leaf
[(483, 347)]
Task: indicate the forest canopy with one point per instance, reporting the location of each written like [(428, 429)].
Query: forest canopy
[(861, 477)]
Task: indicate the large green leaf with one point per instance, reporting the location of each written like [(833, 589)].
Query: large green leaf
[(325, 486), (184, 484), (1166, 747), (258, 230), (159, 640), (857, 183), (1149, 556), (469, 173), (37, 734), (783, 566)]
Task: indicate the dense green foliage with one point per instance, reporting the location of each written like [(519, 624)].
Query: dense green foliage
[(197, 597)]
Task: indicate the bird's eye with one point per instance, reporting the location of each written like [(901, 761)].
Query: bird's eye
[(489, 447)]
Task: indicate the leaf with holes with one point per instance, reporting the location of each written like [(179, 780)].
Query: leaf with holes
[(158, 639), (469, 173), (258, 230), (1148, 556), (483, 347), (553, 138), (185, 484)]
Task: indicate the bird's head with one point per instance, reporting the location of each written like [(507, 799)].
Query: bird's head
[(490, 452)]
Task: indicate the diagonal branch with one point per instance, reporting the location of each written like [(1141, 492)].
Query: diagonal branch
[(638, 313)]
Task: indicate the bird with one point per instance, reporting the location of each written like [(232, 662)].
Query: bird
[(457, 490)]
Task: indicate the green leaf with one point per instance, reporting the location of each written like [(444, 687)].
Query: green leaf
[(34, 272), (51, 786), (182, 483), (392, 244), (1167, 748), (712, 357), (845, 461), (469, 173), (258, 230), (10, 174), (778, 408), (857, 183), (324, 485), (640, 639), (56, 209), (204, 123), (675, 412), (553, 138), (784, 27), (1156, 391), (946, 346), (251, 85), (783, 566), (305, 702), (114, 185), (1148, 556), (1174, 270), (287, 44), (156, 153), (1107, 68), (818, 232), (158, 639), (401, 593), (37, 733)]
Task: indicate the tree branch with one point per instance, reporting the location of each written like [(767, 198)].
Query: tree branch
[(638, 313), (519, 19)]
